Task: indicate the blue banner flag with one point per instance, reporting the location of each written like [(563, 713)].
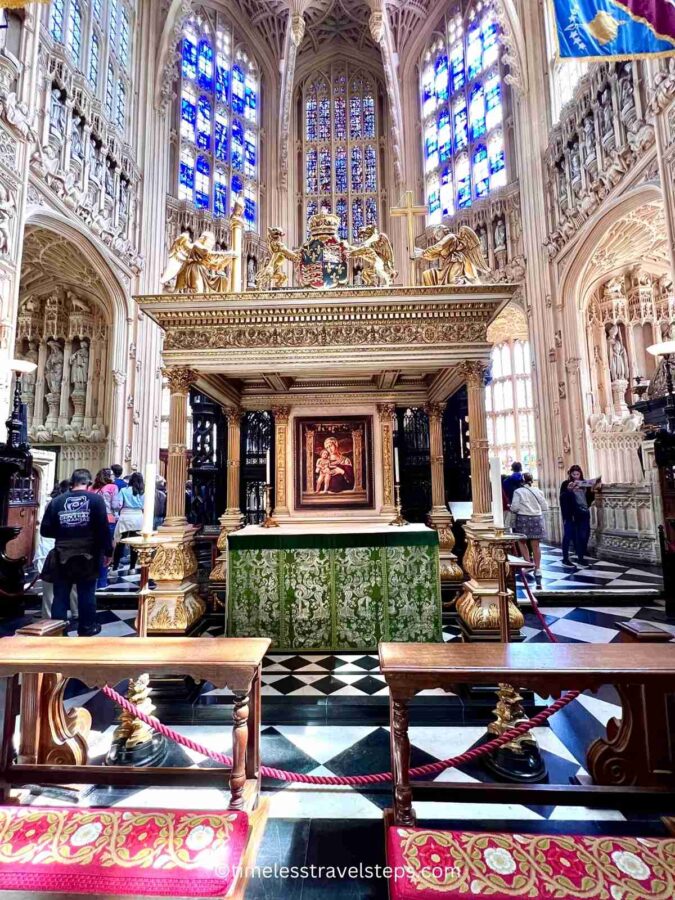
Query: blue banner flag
[(614, 29)]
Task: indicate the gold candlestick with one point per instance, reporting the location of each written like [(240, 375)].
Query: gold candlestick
[(399, 520), (269, 521)]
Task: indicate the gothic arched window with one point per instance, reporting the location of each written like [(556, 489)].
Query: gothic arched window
[(219, 119), (340, 147), (462, 110), (97, 36), (509, 406)]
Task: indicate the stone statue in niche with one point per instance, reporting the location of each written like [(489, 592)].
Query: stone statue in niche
[(575, 161), (606, 112), (561, 185), (79, 367), (250, 272), (589, 137), (626, 92), (54, 367), (618, 362), (482, 237), (27, 379), (500, 234)]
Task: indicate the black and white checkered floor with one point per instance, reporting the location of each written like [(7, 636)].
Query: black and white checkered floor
[(338, 825)]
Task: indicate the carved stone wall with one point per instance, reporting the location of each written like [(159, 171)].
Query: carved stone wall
[(624, 524)]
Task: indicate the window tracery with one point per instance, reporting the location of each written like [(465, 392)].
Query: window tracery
[(97, 38), (509, 406), (340, 155), (462, 101), (219, 119)]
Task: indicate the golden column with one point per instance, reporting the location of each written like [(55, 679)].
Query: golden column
[(179, 379), (232, 518), (478, 605), (387, 412), (174, 606), (281, 417), (237, 232), (440, 517)]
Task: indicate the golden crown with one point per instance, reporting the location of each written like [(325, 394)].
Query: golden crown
[(324, 225)]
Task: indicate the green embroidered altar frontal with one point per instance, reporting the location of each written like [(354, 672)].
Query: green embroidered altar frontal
[(334, 590)]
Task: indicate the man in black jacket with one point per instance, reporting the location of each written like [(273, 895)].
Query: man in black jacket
[(78, 522)]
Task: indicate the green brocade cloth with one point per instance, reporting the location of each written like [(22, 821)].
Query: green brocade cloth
[(334, 591)]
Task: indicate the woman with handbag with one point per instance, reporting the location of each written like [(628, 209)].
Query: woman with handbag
[(129, 501), (529, 505)]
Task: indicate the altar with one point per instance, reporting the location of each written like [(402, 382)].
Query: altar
[(330, 588)]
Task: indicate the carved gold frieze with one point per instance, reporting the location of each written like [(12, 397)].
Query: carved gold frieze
[(479, 561), (173, 562), (481, 615), (173, 611)]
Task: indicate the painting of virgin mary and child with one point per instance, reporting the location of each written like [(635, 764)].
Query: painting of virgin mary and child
[(333, 462)]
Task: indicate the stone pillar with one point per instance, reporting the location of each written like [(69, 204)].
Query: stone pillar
[(281, 417), (387, 412), (440, 517), (232, 518), (237, 227), (474, 371), (39, 407), (179, 379), (64, 412), (619, 388)]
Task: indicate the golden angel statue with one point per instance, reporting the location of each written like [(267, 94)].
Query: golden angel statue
[(460, 258), (197, 267), (377, 255), (272, 275)]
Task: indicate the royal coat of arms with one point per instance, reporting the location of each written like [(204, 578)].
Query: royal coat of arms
[(323, 257)]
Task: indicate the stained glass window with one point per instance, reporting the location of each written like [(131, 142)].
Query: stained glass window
[(219, 101), (97, 6), (340, 151), (508, 402), (121, 104), (110, 90), (75, 31), (461, 97), (94, 59), (56, 18), (124, 39)]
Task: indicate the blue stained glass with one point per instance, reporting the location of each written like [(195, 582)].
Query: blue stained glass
[(310, 118), (431, 145), (460, 123), (237, 145), (324, 119), (489, 33), (481, 178), (341, 211), (341, 169), (369, 116), (444, 136), (434, 201), (205, 65), (457, 64), (221, 137), (75, 31), (474, 52), (202, 183), (114, 13), (357, 169), (249, 155), (220, 197), (497, 162), (447, 194), (94, 56), (56, 19), (312, 208), (428, 97), (188, 116), (222, 79), (355, 117), (441, 77), (189, 59), (237, 90), (340, 113), (97, 6), (311, 172), (371, 169), (251, 103), (324, 172), (493, 100), (186, 175), (204, 113), (371, 211), (249, 210), (463, 176), (477, 112), (237, 185), (357, 217)]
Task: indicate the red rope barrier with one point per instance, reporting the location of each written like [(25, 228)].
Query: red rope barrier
[(361, 780)]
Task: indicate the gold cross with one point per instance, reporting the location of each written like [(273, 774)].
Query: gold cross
[(408, 210)]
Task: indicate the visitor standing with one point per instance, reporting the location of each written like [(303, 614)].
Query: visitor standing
[(528, 506), (118, 481), (44, 563), (575, 502), (129, 501), (104, 485), (78, 522), (160, 502)]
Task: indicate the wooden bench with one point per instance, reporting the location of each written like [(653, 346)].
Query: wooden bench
[(633, 765), (124, 851)]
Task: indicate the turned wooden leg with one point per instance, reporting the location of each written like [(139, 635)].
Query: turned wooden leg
[(400, 761), (253, 746), (8, 709), (239, 748)]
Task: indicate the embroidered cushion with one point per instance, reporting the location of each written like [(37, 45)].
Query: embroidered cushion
[(448, 864), (132, 852)]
